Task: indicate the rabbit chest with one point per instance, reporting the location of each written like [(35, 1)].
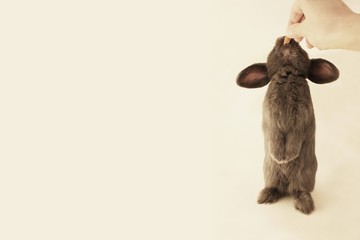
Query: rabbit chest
[(288, 104)]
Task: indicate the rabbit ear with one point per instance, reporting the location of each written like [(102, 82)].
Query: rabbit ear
[(322, 71), (254, 76)]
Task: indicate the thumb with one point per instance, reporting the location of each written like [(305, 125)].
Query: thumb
[(295, 30)]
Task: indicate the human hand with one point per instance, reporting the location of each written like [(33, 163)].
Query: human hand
[(324, 23)]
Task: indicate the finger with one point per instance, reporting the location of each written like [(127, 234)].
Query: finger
[(302, 18), (296, 13), (295, 18), (298, 39), (295, 30), (308, 44)]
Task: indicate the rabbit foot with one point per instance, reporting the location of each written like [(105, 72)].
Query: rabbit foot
[(269, 195), (304, 202)]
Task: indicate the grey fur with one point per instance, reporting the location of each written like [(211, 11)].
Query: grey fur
[(288, 121)]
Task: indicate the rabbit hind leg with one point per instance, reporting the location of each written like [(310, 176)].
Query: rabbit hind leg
[(304, 202)]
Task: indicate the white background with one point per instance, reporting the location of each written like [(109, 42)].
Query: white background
[(123, 121)]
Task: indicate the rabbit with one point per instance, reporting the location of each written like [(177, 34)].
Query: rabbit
[(288, 123)]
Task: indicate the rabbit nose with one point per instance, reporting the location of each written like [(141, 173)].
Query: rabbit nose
[(286, 52)]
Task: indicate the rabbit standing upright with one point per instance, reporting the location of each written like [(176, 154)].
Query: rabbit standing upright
[(288, 120)]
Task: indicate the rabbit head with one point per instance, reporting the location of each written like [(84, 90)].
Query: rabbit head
[(285, 58)]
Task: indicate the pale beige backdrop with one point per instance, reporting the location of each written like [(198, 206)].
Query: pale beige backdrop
[(122, 120)]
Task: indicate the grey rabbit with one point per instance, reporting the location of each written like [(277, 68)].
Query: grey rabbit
[(288, 120)]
